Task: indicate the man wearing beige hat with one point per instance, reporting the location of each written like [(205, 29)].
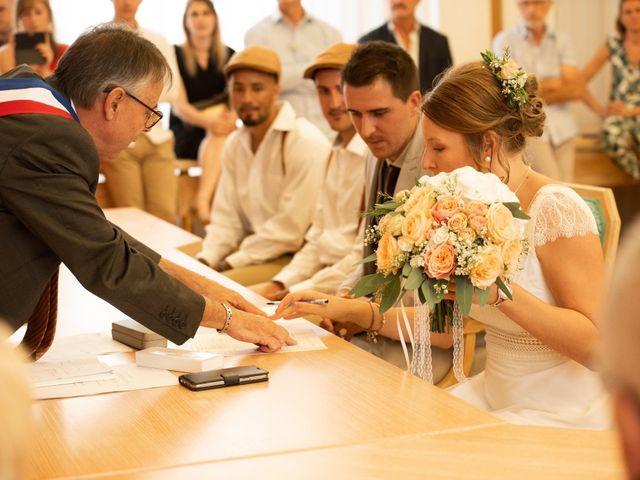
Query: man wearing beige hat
[(272, 169), (327, 256)]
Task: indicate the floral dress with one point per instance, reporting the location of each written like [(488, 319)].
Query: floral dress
[(621, 135)]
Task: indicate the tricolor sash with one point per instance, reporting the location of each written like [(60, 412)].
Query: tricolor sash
[(33, 95)]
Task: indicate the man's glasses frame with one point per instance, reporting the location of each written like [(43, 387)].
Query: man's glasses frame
[(152, 118)]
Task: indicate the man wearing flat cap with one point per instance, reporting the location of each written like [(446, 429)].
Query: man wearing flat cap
[(327, 256), (272, 170)]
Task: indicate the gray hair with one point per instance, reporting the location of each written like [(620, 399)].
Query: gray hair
[(108, 55)]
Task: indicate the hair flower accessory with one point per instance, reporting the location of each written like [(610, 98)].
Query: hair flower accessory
[(511, 75)]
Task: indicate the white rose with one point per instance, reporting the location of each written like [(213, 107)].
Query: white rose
[(405, 244), (509, 70), (439, 236), (482, 187)]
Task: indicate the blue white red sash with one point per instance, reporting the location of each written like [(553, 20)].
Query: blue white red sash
[(33, 95)]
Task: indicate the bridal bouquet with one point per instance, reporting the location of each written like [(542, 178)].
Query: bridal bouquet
[(463, 228)]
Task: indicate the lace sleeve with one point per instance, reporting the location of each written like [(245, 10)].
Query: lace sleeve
[(558, 211)]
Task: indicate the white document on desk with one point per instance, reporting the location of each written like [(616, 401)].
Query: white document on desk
[(124, 377), (83, 346), (208, 340), (45, 374)]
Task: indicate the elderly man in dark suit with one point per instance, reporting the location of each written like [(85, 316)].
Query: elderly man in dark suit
[(428, 48), (53, 133)]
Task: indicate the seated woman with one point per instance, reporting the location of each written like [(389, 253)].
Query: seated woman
[(34, 16), (621, 125), (539, 344), (200, 133)]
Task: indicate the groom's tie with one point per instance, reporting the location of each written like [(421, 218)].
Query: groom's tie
[(386, 179)]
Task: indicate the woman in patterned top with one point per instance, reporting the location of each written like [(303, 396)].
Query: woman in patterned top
[(621, 127)]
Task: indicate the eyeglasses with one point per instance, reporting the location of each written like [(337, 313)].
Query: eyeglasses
[(153, 117)]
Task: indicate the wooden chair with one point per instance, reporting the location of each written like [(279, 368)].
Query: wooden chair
[(471, 330), (188, 175), (603, 205)]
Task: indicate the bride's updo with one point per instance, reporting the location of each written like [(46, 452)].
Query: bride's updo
[(468, 99)]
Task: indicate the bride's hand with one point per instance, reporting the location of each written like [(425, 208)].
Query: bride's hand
[(297, 304), (491, 298)]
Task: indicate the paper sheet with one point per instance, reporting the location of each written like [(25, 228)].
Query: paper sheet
[(125, 377), (45, 373), (208, 340), (83, 346)]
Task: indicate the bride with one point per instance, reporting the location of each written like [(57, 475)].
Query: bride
[(539, 344)]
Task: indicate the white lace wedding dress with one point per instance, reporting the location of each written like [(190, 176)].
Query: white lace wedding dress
[(525, 381)]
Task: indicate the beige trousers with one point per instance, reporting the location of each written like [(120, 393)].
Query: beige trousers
[(260, 273), (554, 162), (143, 176)]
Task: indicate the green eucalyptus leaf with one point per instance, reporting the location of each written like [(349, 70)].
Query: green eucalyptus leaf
[(369, 259), (514, 208), (502, 286), (390, 294), (368, 284), (464, 294), (406, 270), (483, 296), (415, 279)]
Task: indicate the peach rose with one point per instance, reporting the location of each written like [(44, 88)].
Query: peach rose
[(486, 267), (415, 226), (445, 207), (478, 223), (391, 224), (466, 235), (421, 199), (476, 208), (440, 263), (511, 250), (457, 221), (387, 253), (500, 223), (510, 70)]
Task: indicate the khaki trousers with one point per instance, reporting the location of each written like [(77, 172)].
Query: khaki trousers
[(554, 162), (143, 176), (260, 273)]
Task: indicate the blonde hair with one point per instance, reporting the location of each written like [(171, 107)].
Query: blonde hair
[(16, 422), (218, 50), (468, 99)]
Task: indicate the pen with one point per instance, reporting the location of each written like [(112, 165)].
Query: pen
[(315, 301)]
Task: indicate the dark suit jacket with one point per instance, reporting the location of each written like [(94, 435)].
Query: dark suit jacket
[(48, 215), (434, 53)]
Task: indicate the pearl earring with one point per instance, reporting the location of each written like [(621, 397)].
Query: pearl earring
[(487, 159)]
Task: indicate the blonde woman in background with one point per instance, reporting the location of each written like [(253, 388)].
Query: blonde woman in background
[(34, 16), (201, 120)]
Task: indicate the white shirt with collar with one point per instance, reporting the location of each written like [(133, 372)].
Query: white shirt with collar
[(296, 47), (264, 202), (328, 256), (545, 61), (414, 40)]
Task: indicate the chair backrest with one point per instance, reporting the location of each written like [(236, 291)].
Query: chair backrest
[(603, 205)]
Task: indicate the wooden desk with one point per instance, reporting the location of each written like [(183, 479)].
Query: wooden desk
[(318, 399), (149, 229), (496, 452)]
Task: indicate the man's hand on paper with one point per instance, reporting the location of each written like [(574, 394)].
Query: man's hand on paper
[(261, 331)]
